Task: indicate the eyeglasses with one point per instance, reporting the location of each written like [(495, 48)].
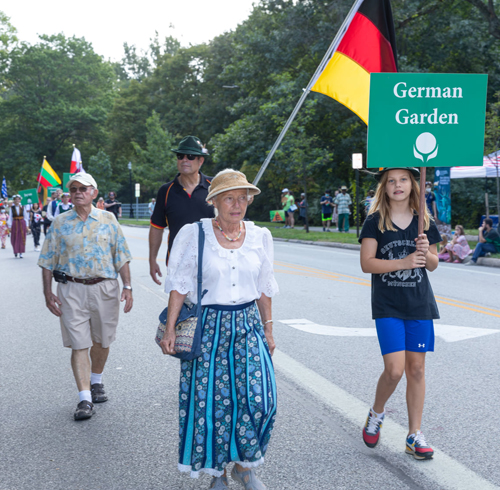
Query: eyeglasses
[(74, 190), (180, 156)]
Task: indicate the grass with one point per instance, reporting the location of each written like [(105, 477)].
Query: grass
[(277, 231), (140, 222)]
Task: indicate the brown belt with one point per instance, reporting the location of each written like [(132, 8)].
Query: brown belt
[(89, 282)]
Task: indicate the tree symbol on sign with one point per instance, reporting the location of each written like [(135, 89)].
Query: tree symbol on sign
[(426, 147)]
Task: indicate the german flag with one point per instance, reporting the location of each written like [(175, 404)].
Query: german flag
[(368, 46)]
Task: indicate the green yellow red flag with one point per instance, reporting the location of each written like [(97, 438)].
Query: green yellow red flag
[(368, 46), (47, 177)]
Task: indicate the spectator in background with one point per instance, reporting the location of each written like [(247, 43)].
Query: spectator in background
[(327, 205), (489, 241), (458, 248), (430, 199), (46, 220), (289, 206), (303, 209), (368, 200), (113, 206), (100, 204), (151, 206), (343, 201)]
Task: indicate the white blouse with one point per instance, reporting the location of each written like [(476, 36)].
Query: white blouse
[(232, 277)]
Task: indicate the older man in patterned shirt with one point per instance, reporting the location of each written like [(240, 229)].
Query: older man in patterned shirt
[(84, 251)]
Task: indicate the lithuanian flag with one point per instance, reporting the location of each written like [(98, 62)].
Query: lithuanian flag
[(368, 46), (47, 177)]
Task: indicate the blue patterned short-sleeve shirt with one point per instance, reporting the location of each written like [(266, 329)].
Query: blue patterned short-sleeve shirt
[(85, 249)]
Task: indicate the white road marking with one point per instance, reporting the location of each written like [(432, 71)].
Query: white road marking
[(443, 469), (449, 333)]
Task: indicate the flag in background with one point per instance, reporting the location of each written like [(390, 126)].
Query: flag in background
[(4, 188), (47, 177), (368, 46), (76, 162)]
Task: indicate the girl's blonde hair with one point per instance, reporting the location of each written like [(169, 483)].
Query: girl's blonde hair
[(461, 228), (382, 204)]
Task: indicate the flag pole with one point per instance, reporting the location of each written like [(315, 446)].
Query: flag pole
[(329, 53), (422, 203), (40, 175)]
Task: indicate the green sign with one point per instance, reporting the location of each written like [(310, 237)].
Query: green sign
[(426, 120), (66, 177), (28, 197), (50, 190)]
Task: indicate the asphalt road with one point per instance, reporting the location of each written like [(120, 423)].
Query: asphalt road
[(326, 379)]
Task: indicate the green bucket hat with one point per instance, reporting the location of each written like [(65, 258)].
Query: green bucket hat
[(191, 145)]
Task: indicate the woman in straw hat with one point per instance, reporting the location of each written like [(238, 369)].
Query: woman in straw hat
[(228, 394)]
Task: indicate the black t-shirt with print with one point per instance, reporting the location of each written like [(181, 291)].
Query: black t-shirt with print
[(405, 294)]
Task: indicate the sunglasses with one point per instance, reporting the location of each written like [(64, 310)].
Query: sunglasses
[(180, 156), (74, 190)]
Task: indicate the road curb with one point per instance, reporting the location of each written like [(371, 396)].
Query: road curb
[(484, 261)]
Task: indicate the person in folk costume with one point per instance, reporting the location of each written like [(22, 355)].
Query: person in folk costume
[(4, 229), (36, 220), (403, 303), (64, 205), (18, 224)]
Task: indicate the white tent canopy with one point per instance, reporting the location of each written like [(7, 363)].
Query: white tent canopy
[(490, 168)]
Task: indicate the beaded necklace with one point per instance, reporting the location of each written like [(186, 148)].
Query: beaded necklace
[(225, 236)]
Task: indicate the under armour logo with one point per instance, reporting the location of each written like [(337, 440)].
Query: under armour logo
[(421, 345)]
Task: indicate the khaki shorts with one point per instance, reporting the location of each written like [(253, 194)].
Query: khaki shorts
[(89, 313)]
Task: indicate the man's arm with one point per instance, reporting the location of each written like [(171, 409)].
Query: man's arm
[(155, 239), (51, 300), (481, 236), (126, 293), (119, 211)]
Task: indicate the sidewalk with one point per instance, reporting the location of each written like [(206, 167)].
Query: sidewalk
[(484, 261)]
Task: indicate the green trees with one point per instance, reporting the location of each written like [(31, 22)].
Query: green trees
[(57, 92), (235, 93)]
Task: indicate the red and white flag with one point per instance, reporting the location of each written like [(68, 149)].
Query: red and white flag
[(76, 162)]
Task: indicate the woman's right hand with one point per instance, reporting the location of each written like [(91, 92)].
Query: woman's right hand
[(167, 344), (416, 260)]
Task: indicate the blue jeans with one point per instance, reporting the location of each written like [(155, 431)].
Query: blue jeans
[(481, 249)]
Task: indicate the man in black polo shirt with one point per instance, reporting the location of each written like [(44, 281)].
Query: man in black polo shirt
[(113, 206), (180, 201)]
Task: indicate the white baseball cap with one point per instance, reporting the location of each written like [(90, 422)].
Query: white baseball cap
[(285, 190), (83, 178)]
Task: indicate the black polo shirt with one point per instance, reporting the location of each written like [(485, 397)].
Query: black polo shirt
[(176, 208)]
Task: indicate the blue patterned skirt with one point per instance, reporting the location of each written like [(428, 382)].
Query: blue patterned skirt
[(227, 395)]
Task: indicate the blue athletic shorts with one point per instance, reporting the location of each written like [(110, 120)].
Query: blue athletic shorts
[(395, 335)]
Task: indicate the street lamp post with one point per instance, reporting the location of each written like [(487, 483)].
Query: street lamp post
[(131, 215)]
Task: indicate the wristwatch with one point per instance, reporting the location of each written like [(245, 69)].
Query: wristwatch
[(127, 287)]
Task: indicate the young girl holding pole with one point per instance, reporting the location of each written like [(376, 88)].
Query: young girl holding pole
[(403, 304)]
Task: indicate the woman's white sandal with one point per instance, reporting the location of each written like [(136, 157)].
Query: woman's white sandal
[(247, 478), (219, 483)]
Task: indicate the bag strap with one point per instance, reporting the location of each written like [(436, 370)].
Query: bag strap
[(201, 245)]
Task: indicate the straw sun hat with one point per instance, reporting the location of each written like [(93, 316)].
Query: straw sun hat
[(229, 180)]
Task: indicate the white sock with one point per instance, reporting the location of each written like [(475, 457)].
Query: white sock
[(95, 378), (85, 395), (378, 415)]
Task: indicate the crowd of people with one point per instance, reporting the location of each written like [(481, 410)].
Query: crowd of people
[(18, 221), (228, 394)]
